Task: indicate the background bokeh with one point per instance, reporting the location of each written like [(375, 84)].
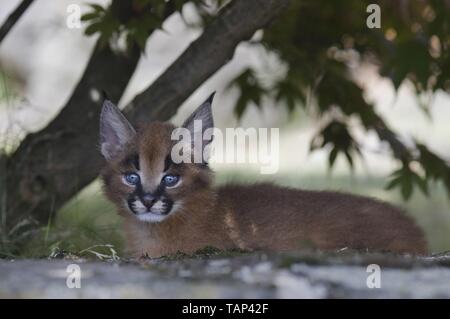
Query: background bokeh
[(42, 59)]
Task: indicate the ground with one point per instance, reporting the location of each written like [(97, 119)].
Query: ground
[(213, 274)]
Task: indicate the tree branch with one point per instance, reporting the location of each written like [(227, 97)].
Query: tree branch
[(13, 18), (213, 49), (44, 171), (399, 150), (50, 173)]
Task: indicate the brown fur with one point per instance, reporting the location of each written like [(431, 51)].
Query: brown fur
[(260, 216)]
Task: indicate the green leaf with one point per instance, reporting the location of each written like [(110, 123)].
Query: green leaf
[(422, 183), (96, 7), (333, 154), (336, 133), (393, 183), (250, 89), (290, 92), (406, 186), (405, 178), (411, 57), (349, 158), (93, 28), (89, 16)]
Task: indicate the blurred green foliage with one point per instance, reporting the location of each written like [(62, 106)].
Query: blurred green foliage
[(321, 42), (135, 20)]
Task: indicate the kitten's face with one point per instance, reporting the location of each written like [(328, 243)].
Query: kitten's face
[(140, 177)]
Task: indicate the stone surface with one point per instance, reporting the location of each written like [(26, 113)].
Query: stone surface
[(257, 275)]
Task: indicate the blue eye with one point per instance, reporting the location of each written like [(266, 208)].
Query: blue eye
[(170, 180), (132, 178)]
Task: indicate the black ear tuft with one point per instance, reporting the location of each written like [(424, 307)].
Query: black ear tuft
[(210, 98), (105, 96)]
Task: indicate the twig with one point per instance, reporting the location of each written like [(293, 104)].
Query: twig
[(13, 18)]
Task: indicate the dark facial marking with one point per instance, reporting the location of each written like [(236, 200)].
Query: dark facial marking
[(168, 203), (130, 201), (159, 194), (168, 162), (132, 160), (160, 191)]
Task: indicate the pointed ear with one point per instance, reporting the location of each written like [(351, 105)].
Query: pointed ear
[(203, 114), (115, 131), (197, 123)]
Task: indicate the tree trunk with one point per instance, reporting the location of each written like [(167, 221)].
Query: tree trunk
[(45, 169), (51, 166), (34, 183)]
